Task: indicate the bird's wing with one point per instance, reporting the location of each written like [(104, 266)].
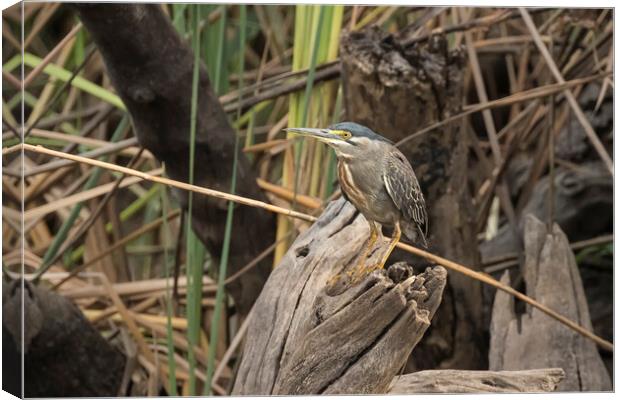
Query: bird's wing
[(403, 187)]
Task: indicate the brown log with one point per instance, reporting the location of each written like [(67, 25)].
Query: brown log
[(532, 340), (396, 91), (151, 66), (458, 381), (307, 335), (64, 355)]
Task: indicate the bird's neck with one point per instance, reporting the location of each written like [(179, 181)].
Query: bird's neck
[(343, 157)]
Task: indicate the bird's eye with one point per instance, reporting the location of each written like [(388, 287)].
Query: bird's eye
[(342, 133)]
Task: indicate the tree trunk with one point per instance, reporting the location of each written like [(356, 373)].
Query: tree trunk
[(533, 340), (396, 91), (306, 336), (151, 68)]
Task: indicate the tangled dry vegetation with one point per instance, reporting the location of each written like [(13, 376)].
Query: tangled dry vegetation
[(504, 113)]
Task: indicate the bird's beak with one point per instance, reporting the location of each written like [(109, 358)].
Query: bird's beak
[(324, 135)]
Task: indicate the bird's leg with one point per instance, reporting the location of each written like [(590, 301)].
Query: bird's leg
[(367, 247), (393, 241), (361, 269), (353, 275)]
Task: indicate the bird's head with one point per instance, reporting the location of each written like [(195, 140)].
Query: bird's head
[(348, 139)]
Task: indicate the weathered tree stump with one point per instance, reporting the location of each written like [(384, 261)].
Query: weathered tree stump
[(533, 340), (303, 340), (457, 381), (64, 355), (396, 91)]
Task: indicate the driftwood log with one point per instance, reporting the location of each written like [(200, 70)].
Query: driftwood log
[(458, 381), (533, 340), (397, 90), (64, 355), (307, 336), (151, 66)]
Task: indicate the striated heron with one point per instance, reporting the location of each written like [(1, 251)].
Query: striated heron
[(379, 181)]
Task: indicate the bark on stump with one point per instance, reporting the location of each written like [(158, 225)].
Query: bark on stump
[(151, 67), (65, 356), (302, 340), (533, 340), (395, 91)]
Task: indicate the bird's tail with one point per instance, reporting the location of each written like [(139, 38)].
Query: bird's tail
[(414, 233)]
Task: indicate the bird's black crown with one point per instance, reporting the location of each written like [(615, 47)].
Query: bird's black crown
[(359, 130)]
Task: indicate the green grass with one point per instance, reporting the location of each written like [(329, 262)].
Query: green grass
[(64, 75), (168, 262), (194, 248), (315, 42), (597, 254), (220, 294), (305, 103), (178, 17)]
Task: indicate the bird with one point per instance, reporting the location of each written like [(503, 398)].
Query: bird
[(379, 181)]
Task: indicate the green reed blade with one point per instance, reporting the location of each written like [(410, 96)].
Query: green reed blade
[(219, 297), (178, 13), (63, 232), (83, 84), (306, 99), (194, 266), (168, 262)]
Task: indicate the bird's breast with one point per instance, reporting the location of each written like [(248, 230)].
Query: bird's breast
[(349, 186), (363, 187)]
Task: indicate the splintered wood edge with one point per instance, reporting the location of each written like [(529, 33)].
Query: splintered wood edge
[(322, 365)]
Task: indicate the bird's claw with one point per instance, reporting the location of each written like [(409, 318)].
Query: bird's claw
[(337, 284), (340, 282), (362, 272)]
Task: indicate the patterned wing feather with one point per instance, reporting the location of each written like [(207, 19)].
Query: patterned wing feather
[(403, 187)]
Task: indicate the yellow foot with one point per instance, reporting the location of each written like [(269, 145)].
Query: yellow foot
[(359, 274), (340, 282)]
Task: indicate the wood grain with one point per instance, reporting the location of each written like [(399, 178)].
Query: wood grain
[(457, 381), (304, 337), (531, 340)]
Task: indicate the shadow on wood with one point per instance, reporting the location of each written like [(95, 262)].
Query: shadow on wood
[(303, 341)]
